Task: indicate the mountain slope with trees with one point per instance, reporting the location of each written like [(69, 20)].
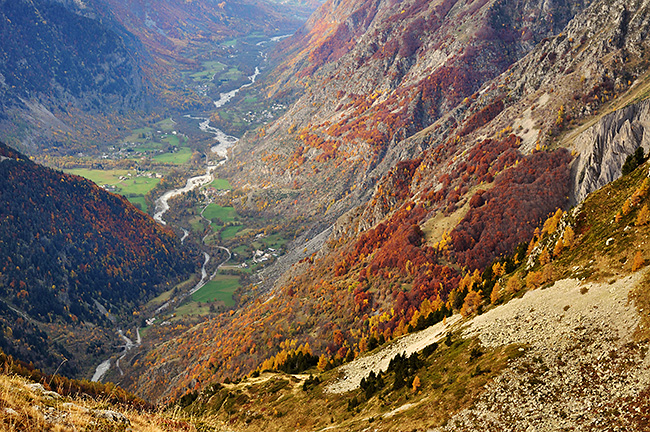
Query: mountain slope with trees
[(71, 252), (464, 196)]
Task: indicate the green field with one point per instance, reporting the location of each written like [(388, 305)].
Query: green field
[(133, 187), (137, 185), (230, 232), (221, 184), (197, 224), (243, 251), (166, 125), (191, 309), (172, 140), (180, 157), (101, 177), (224, 214), (139, 201), (275, 241), (150, 146), (221, 288), (136, 135)]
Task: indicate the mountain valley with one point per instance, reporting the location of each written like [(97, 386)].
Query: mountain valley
[(416, 215)]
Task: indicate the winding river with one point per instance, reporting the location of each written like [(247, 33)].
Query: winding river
[(224, 142)]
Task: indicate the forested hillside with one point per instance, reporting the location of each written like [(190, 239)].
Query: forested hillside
[(71, 252)]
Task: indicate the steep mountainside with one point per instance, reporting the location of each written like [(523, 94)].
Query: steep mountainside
[(370, 75), (465, 173), (71, 252), (75, 74), (560, 334), (58, 61)]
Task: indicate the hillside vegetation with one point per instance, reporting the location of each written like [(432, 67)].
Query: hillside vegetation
[(74, 257), (399, 231), (533, 358)]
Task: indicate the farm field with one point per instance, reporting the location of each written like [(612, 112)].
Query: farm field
[(224, 214), (221, 288), (101, 177), (230, 232), (166, 125), (221, 184), (180, 157), (133, 188)]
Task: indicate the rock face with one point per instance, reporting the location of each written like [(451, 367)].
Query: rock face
[(603, 148)]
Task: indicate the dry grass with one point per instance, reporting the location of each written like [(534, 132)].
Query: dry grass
[(26, 409)]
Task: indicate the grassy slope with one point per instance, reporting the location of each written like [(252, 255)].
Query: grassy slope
[(28, 409)]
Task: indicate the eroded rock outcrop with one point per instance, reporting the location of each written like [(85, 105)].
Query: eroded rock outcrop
[(603, 148)]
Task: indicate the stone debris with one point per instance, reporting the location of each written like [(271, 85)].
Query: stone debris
[(111, 416), (38, 388), (360, 368), (581, 368)]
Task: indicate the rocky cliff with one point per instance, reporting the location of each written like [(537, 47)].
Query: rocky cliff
[(603, 148)]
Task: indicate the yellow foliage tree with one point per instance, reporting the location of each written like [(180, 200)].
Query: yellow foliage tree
[(627, 207), (514, 283), (557, 250), (544, 257), (560, 116), (534, 280), (494, 296), (533, 242), (416, 384), (471, 304), (638, 261), (641, 192), (465, 283), (643, 216), (547, 273), (425, 308), (499, 269), (323, 361), (551, 223), (569, 237)]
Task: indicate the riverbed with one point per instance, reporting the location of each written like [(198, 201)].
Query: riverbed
[(220, 149)]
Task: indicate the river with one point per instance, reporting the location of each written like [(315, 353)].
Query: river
[(224, 142)]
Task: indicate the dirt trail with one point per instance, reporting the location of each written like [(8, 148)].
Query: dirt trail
[(355, 371)]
